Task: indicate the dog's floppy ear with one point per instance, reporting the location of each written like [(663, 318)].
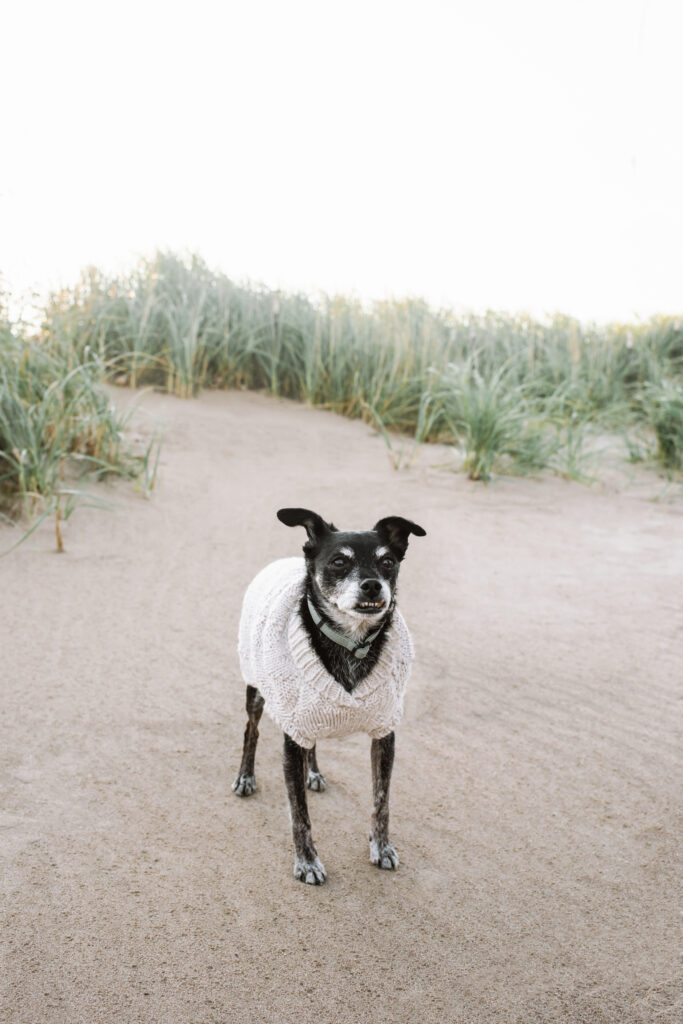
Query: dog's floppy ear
[(315, 525), (394, 531)]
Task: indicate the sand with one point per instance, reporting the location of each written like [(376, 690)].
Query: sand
[(535, 791)]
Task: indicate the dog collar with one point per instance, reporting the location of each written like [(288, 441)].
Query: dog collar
[(358, 650)]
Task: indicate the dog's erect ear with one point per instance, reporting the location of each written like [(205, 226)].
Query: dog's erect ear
[(315, 525), (394, 531)]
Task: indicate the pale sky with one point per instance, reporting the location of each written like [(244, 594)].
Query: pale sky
[(522, 155)]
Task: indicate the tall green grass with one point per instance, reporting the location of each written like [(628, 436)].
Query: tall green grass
[(663, 404), (56, 424), (508, 390)]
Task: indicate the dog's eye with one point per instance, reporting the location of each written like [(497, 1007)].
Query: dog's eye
[(339, 562), (387, 562)]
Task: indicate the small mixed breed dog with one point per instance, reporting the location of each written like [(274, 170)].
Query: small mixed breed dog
[(324, 649)]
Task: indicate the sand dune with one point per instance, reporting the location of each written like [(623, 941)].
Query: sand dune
[(536, 781)]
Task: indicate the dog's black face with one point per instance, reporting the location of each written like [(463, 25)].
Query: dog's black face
[(353, 574)]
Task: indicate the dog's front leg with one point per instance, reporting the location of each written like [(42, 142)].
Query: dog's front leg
[(307, 866), (382, 852), (315, 778)]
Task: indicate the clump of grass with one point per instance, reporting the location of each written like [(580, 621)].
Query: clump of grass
[(663, 405), (491, 414), (56, 423)]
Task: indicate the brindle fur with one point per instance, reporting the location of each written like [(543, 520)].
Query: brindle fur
[(245, 783), (382, 752), (301, 765)]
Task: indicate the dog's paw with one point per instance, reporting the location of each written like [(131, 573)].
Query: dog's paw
[(383, 855), (244, 785), (310, 871), (315, 780)]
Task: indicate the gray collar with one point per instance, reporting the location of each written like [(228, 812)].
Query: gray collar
[(359, 650)]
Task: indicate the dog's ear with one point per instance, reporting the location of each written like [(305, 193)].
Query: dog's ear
[(315, 525), (394, 531)]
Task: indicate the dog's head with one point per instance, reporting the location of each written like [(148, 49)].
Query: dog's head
[(353, 574)]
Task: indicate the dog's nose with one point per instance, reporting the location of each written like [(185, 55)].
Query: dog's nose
[(371, 587)]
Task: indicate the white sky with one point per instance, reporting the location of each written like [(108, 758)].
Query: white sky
[(507, 154)]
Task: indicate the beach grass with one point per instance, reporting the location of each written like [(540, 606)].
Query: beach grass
[(57, 425), (510, 392)]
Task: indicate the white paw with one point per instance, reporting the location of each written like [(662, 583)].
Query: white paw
[(310, 871), (315, 780), (244, 785), (383, 855)]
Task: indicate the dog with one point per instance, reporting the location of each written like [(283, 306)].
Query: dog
[(323, 648)]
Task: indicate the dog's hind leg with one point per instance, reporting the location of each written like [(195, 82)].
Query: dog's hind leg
[(245, 783), (382, 852), (307, 866), (314, 777)]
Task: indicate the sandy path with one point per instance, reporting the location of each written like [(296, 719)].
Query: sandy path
[(535, 788)]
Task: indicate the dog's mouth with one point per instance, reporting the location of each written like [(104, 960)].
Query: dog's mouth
[(369, 607)]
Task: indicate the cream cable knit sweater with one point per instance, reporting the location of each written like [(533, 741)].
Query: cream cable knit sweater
[(300, 695)]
